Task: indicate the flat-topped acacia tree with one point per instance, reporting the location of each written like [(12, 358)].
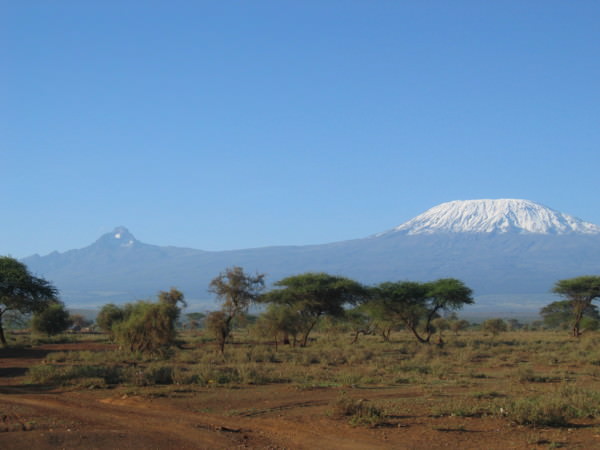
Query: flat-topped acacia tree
[(312, 295), (21, 291), (416, 305), (580, 292)]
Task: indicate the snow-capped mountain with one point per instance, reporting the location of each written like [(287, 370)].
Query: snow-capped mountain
[(495, 216)]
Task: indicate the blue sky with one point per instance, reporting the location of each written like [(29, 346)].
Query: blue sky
[(221, 125)]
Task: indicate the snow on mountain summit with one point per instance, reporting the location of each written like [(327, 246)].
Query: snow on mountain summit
[(495, 216), (119, 237)]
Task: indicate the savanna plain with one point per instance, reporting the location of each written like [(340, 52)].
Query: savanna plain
[(516, 389)]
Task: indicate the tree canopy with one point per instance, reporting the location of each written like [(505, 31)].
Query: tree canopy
[(236, 290), (21, 291)]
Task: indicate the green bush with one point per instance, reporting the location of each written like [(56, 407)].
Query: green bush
[(147, 327), (108, 316), (52, 320)]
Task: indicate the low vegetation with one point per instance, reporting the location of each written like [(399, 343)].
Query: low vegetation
[(551, 383), (412, 343)]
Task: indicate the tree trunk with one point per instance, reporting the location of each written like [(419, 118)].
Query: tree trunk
[(578, 317), (419, 338), (440, 342), (304, 342), (305, 338), (2, 338), (386, 334)]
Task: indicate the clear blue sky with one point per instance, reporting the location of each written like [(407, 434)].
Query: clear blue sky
[(236, 124)]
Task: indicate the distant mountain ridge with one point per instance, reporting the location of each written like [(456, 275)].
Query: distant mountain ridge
[(509, 251)]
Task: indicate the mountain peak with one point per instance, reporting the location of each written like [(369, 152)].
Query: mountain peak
[(495, 216), (119, 237)]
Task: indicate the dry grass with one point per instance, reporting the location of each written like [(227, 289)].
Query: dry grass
[(529, 378)]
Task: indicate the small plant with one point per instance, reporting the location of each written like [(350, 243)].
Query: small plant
[(538, 411), (487, 395), (527, 375), (463, 407), (358, 412)]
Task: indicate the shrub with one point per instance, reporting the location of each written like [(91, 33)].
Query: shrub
[(539, 411), (357, 411), (158, 374), (108, 316), (58, 375), (52, 320), (494, 326), (148, 327)]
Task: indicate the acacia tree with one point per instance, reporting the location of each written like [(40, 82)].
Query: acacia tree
[(559, 314), (237, 291), (22, 292), (580, 292), (416, 305), (312, 295)]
